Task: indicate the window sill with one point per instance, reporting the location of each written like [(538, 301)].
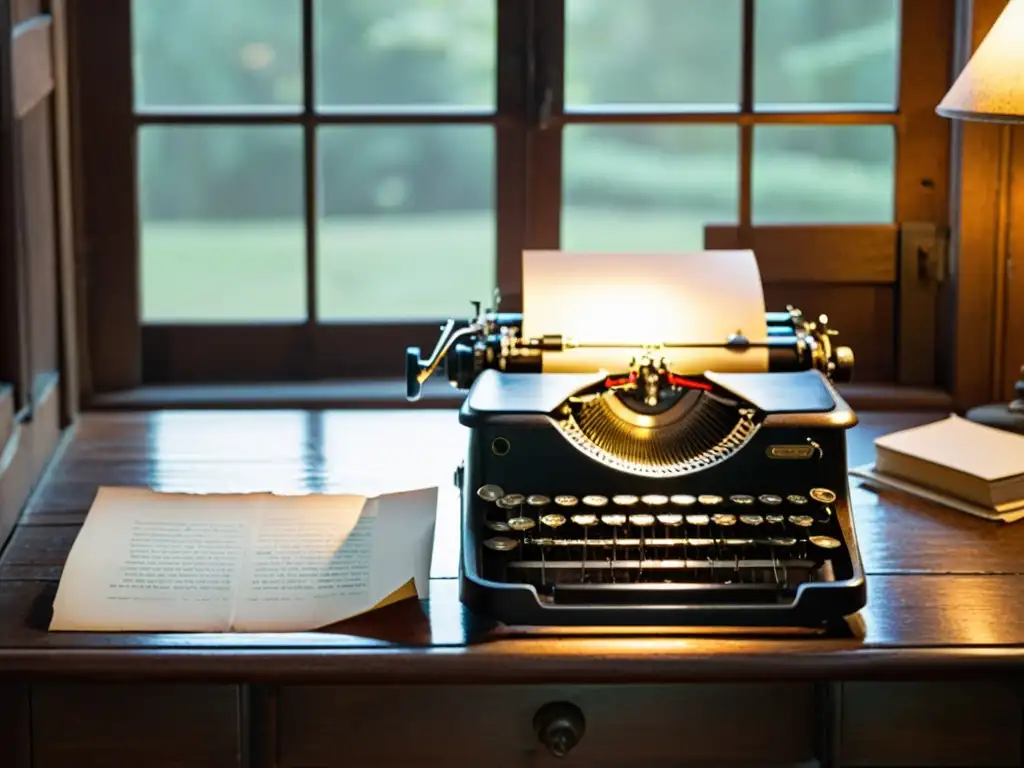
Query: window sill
[(390, 393)]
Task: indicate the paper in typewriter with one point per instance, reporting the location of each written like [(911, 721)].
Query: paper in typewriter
[(646, 299), (176, 562)]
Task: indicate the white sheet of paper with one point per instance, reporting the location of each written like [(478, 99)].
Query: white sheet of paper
[(625, 298), (152, 562)]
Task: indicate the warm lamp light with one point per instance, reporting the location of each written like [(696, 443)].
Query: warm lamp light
[(990, 88)]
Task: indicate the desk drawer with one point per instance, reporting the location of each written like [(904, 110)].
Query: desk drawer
[(493, 726)]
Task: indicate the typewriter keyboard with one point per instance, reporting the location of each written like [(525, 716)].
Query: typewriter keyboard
[(770, 540)]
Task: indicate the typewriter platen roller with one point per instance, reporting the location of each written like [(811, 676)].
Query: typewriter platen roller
[(653, 493)]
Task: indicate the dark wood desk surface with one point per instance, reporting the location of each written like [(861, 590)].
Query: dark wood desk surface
[(945, 590)]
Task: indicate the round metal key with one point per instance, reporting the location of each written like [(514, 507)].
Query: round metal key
[(770, 499), (511, 500), (654, 500), (782, 541), (741, 499), (804, 521), (724, 520), (698, 519), (796, 499), (595, 501), (537, 500), (709, 500), (498, 525), (521, 523), (613, 520), (683, 499), (671, 520), (552, 520), (490, 492), (825, 542), (501, 544), (566, 501), (625, 500), (585, 520), (751, 519), (641, 521), (774, 519), (823, 495)]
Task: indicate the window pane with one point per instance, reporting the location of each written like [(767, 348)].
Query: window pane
[(407, 226), (647, 187), (217, 53), (222, 223), (837, 55), (377, 53), (653, 52), (823, 174)]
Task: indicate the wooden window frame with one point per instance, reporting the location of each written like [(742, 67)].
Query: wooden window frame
[(123, 354)]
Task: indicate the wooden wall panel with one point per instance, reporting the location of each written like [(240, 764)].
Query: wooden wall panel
[(36, 139)]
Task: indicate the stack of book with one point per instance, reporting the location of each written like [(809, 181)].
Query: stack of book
[(970, 467)]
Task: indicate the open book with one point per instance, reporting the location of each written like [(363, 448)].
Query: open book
[(163, 562), (970, 466)]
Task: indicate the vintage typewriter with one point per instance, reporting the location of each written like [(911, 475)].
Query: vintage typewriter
[(649, 495)]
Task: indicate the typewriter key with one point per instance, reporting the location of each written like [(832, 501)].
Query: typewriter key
[(770, 499), (670, 520), (510, 500), (782, 541), (498, 525), (641, 521), (595, 501), (698, 519), (553, 520), (774, 519), (521, 523), (797, 499), (566, 501), (613, 519), (625, 500), (536, 500), (824, 495), (654, 500), (683, 499), (724, 520), (585, 520), (501, 544), (709, 500), (751, 519), (490, 492), (825, 542), (804, 521), (742, 499)]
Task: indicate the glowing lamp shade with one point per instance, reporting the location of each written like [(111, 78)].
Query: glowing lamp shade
[(991, 87)]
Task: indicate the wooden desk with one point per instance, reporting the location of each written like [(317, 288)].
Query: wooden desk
[(934, 682)]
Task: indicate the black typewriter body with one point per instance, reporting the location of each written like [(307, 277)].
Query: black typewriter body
[(653, 496), (756, 532)]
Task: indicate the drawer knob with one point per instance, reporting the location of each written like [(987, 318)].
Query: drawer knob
[(559, 727)]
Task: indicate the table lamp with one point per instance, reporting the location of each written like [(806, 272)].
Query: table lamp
[(991, 89)]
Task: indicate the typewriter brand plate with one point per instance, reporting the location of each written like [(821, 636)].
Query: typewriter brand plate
[(790, 451), (490, 492), (824, 495)]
